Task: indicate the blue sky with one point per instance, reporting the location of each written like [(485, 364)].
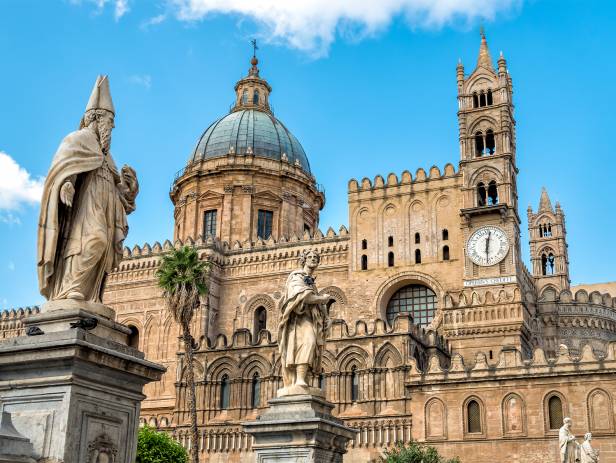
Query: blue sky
[(367, 87)]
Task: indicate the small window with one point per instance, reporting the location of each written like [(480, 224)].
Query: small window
[(264, 224), (445, 234), (475, 100), (260, 322), (322, 381), (255, 391), (417, 238), (417, 256), (133, 337), (390, 259), (479, 148), (445, 252), (490, 143), (489, 98), (555, 412), (364, 262), (482, 99), (473, 417), (364, 244), (209, 223), (255, 97), (224, 392), (354, 385), (307, 228), (492, 193), (390, 241)]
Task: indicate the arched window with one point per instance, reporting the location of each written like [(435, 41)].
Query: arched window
[(364, 262), (550, 264), (555, 412), (544, 264), (354, 385), (133, 337), (390, 259), (224, 392), (549, 229), (445, 234), (255, 97), (492, 193), (417, 256), (490, 143), (489, 98), (473, 417), (255, 391), (479, 144), (260, 321), (364, 244), (322, 380), (445, 252), (417, 238), (417, 300), (390, 241), (481, 194), (482, 99), (475, 100), (245, 97)]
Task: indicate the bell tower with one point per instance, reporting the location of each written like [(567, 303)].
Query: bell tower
[(548, 245)]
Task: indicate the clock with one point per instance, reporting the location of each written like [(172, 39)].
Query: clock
[(487, 246)]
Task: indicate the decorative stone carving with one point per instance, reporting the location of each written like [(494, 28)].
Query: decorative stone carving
[(228, 188), (301, 330), (102, 450), (248, 189), (587, 453), (567, 443), (85, 202)]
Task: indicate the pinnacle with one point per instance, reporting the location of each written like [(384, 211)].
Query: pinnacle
[(484, 59), (545, 205)]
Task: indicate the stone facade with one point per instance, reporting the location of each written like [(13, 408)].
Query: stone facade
[(425, 343)]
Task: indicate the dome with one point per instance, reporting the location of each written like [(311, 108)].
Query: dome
[(246, 130)]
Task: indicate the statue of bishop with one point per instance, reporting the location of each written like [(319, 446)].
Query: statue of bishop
[(85, 202)]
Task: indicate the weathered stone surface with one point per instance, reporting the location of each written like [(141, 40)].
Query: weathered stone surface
[(14, 448)]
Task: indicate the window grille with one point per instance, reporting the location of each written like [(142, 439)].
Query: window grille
[(555, 412), (473, 416), (264, 224), (418, 300), (209, 223)]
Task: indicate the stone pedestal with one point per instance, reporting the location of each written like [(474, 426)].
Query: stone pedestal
[(75, 391), (299, 429)]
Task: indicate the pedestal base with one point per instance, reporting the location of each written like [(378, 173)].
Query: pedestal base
[(299, 429), (75, 393)]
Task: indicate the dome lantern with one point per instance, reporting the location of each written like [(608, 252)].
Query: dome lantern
[(252, 92)]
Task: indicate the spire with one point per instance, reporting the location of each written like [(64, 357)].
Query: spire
[(100, 98), (254, 70), (484, 59), (252, 92), (545, 205)]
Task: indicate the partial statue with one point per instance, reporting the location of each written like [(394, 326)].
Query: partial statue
[(587, 453), (301, 332), (85, 202), (568, 444)]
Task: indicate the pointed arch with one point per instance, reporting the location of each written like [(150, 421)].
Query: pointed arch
[(435, 419), (514, 414), (385, 352)]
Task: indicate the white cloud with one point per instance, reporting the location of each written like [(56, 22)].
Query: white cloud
[(17, 188), (144, 80), (312, 25), (121, 8), (153, 21)]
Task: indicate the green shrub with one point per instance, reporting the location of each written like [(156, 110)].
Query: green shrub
[(414, 452), (158, 447)]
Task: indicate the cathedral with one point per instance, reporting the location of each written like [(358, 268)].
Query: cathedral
[(439, 331)]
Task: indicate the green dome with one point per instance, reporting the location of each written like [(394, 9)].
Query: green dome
[(246, 130)]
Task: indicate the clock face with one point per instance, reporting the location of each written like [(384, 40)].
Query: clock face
[(487, 246)]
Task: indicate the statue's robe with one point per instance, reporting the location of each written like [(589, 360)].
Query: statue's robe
[(301, 327), (568, 446), (79, 245), (588, 454)]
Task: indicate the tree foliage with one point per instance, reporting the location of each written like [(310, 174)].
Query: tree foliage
[(158, 447), (414, 452)]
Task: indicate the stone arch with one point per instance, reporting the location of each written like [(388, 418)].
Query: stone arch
[(484, 122), (254, 363), (197, 368), (600, 411), (514, 414), (220, 366), (386, 352), (389, 287), (352, 356), (328, 361), (435, 419), (150, 345), (479, 176), (547, 417), (467, 405)]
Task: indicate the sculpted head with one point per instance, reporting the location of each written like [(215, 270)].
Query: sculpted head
[(567, 423), (102, 121), (310, 259), (588, 436)]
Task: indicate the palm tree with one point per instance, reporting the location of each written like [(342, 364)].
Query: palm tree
[(182, 277)]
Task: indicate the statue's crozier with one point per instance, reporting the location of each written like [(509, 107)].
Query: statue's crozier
[(301, 331), (85, 202)]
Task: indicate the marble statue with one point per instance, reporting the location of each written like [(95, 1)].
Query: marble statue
[(301, 331), (85, 202), (567, 443), (587, 453)]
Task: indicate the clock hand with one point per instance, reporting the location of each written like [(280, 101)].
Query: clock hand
[(488, 245)]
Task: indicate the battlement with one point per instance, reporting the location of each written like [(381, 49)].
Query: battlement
[(11, 320), (407, 179), (510, 363)]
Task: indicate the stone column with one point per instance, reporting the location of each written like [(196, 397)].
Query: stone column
[(74, 387)]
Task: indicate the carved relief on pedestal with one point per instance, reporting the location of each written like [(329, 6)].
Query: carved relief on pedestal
[(102, 450)]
